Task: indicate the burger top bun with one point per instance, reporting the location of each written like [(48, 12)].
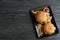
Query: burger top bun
[(42, 16), (49, 28)]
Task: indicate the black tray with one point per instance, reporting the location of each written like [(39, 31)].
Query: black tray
[(35, 23)]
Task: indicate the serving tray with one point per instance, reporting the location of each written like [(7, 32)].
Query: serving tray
[(35, 23)]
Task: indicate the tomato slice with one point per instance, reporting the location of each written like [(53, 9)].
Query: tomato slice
[(46, 9)]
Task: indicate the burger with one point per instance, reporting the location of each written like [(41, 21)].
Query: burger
[(49, 28), (42, 17)]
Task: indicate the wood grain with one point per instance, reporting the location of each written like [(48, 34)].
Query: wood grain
[(15, 21)]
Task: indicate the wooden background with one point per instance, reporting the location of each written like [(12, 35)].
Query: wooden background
[(15, 21)]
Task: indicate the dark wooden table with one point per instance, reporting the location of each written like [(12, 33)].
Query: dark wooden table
[(15, 21)]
